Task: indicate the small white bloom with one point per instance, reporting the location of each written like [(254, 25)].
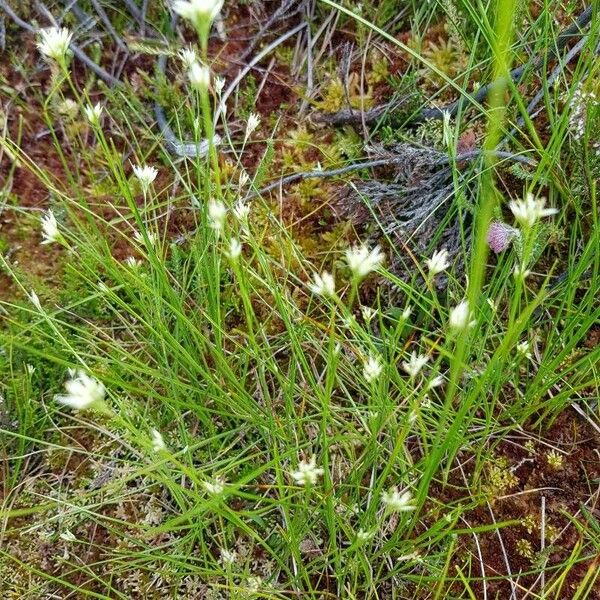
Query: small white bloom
[(50, 231), (158, 443), (460, 316), (435, 382), (253, 583), (235, 249), (521, 272), (93, 113), (145, 175), (396, 501), (252, 124), (244, 178), (187, 56), (133, 262), (438, 262), (214, 487), (363, 535), (528, 211), (407, 312), (198, 11), (415, 364), (68, 108), (82, 392), (54, 42), (199, 76), (241, 210), (228, 557), (372, 369), (362, 261), (368, 313), (523, 349), (30, 369), (103, 287), (139, 238), (324, 284), (308, 473), (216, 214), (35, 300), (219, 85)]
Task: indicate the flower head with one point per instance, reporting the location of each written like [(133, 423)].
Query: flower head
[(372, 369), (139, 238), (500, 236), (187, 56), (219, 85), (523, 350), (235, 249), (415, 364), (528, 211), (157, 441), (368, 313), (438, 262), (83, 391), (216, 214), (214, 487), (362, 261), (460, 316), (308, 473), (35, 300), (520, 272), (93, 113), (133, 262), (50, 231), (145, 175), (198, 11), (228, 557), (407, 312), (252, 124), (241, 211), (397, 502), (54, 42), (199, 76), (435, 382), (323, 285)]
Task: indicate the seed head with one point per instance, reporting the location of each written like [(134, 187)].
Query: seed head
[(324, 284), (307, 473), (54, 42), (83, 391), (438, 262), (362, 261)]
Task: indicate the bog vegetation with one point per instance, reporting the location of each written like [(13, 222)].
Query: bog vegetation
[(299, 299)]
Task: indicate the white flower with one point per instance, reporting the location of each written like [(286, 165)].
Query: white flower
[(368, 313), (362, 261), (50, 231), (214, 487), (198, 11), (435, 382), (216, 214), (460, 316), (228, 557), (188, 57), (528, 211), (363, 535), (93, 113), (145, 175), (308, 473), (252, 124), (254, 583), (139, 238), (199, 76), (132, 262), (243, 180), (219, 84), (523, 349), (397, 502), (103, 287), (157, 441), (438, 262), (372, 369), (407, 312), (30, 369), (35, 300), (324, 284), (241, 210), (235, 249), (415, 364), (82, 392), (54, 42), (521, 272)]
